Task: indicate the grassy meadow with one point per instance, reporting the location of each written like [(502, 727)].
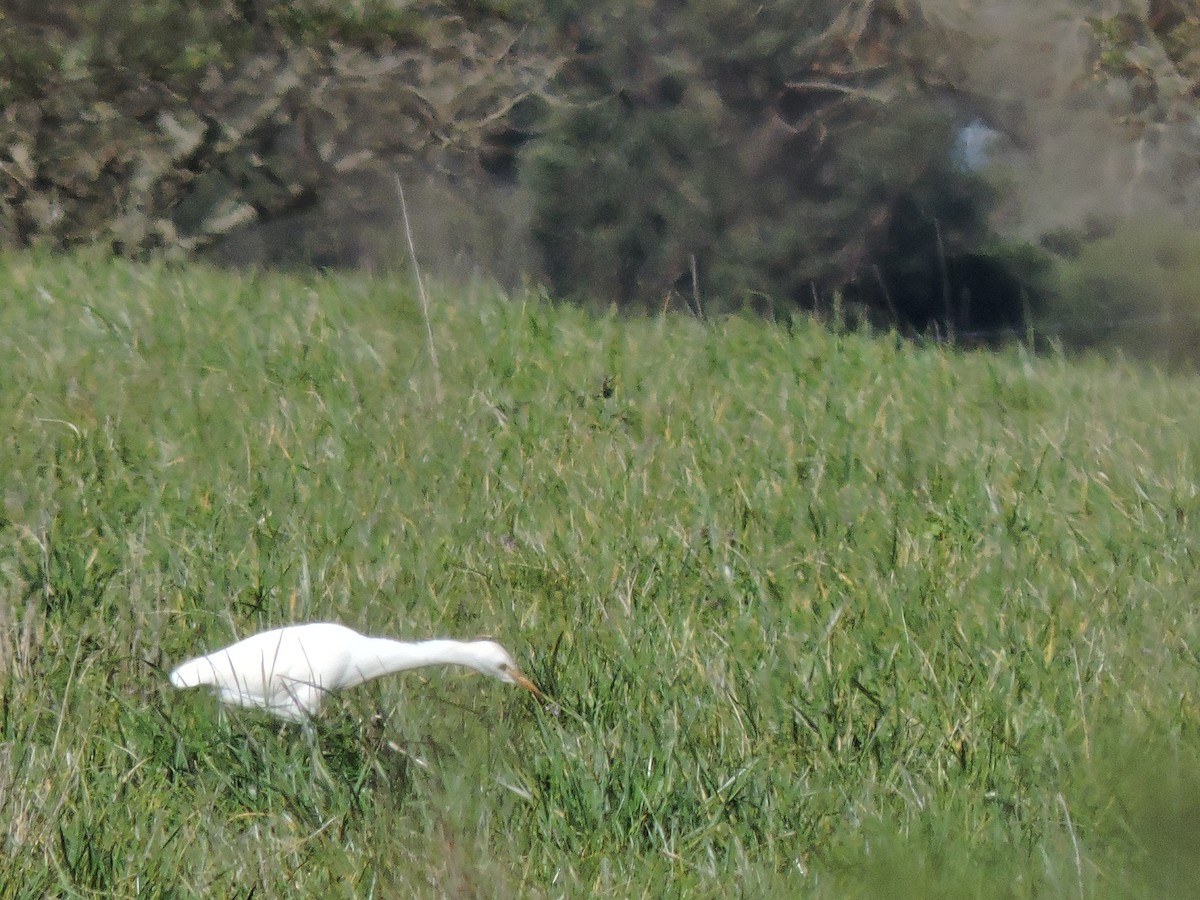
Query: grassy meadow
[(824, 615)]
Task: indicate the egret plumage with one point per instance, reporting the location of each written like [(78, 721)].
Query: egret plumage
[(289, 671)]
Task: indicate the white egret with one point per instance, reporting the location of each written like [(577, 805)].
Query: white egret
[(288, 671)]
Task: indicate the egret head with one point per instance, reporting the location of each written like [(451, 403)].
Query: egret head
[(492, 659)]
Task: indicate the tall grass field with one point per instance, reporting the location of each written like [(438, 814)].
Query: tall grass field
[(821, 614)]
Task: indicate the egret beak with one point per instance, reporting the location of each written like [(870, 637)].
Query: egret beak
[(529, 686)]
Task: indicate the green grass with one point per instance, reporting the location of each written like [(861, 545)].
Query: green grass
[(826, 615)]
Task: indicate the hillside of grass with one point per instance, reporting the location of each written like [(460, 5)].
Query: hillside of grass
[(829, 615)]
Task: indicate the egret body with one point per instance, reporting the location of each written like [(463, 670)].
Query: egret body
[(288, 671)]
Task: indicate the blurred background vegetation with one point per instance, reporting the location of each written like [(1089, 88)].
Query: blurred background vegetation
[(976, 171)]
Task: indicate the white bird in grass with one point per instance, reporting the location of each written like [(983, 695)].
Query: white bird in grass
[(288, 671)]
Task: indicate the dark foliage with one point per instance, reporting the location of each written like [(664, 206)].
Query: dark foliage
[(740, 152)]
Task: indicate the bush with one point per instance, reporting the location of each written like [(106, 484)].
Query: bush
[(1135, 287)]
